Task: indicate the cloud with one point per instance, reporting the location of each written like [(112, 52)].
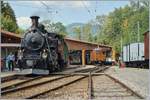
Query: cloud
[(24, 22)]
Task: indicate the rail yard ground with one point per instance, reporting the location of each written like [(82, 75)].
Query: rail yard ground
[(113, 84), (135, 78)]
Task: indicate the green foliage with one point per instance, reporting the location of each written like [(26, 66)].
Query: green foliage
[(84, 32), (122, 22), (87, 32), (20, 31), (55, 27), (60, 28), (77, 31), (7, 24), (8, 19)]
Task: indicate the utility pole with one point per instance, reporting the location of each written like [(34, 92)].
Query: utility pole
[(121, 49), (138, 24), (138, 27)]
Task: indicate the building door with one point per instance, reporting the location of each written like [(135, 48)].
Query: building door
[(87, 57), (75, 57)]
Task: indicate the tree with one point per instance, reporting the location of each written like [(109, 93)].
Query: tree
[(8, 19), (122, 23), (49, 26), (55, 27), (139, 4), (99, 23), (60, 28), (20, 31), (87, 32), (77, 31)]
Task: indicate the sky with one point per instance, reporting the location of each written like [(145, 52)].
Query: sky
[(66, 12)]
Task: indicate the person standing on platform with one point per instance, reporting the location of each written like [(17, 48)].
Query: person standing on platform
[(11, 59), (6, 63), (16, 57)]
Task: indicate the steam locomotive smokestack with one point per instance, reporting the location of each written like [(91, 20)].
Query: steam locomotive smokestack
[(35, 21)]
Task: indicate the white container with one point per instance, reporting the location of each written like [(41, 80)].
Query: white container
[(126, 53), (133, 52)]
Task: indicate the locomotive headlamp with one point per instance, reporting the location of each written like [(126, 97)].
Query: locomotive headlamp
[(44, 54), (44, 50)]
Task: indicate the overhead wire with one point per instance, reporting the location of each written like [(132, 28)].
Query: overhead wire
[(96, 23), (96, 7), (43, 5), (56, 12), (86, 8), (49, 10)]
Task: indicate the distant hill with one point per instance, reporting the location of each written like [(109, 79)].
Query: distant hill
[(70, 28)]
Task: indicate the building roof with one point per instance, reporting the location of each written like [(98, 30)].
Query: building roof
[(101, 45), (10, 34), (69, 39), (146, 32)]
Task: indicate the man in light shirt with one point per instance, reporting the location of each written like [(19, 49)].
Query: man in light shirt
[(11, 59)]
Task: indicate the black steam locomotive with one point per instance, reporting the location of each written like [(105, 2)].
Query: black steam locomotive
[(41, 52)]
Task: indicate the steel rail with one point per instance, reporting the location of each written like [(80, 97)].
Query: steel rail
[(90, 87), (84, 72), (12, 87), (32, 85), (19, 83), (124, 85), (86, 75), (8, 78), (102, 69), (56, 88), (40, 83)]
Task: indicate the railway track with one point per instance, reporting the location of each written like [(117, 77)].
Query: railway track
[(8, 78), (74, 91), (42, 87), (81, 86), (92, 87), (44, 84), (18, 81), (106, 87)]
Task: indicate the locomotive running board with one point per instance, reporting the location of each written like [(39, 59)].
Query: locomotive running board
[(33, 71)]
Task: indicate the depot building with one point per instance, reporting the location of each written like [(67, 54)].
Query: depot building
[(79, 51)]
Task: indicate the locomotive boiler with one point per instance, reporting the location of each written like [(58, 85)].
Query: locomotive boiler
[(41, 52)]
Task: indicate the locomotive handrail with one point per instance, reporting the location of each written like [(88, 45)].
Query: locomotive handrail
[(48, 47), (45, 36)]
